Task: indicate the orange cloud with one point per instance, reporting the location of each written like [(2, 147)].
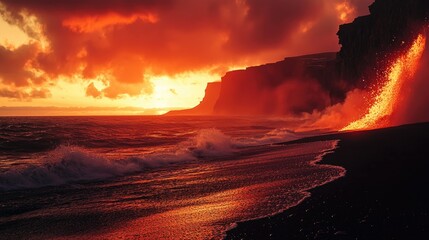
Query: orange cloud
[(346, 12), (14, 64), (24, 95), (92, 91), (163, 37), (93, 23)]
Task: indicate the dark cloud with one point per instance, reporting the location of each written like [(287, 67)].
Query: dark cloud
[(92, 91), (16, 64), (86, 7), (361, 6), (24, 95), (126, 40), (269, 23)]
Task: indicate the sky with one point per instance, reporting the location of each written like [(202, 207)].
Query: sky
[(148, 56)]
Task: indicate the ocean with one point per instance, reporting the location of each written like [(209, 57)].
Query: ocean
[(151, 177)]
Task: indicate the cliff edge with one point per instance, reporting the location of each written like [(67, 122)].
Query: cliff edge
[(205, 107), (304, 84)]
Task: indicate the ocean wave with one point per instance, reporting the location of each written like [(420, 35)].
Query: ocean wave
[(67, 164), (274, 136), (70, 164)]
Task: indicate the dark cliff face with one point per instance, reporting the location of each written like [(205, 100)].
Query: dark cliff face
[(371, 42), (303, 84), (294, 85)]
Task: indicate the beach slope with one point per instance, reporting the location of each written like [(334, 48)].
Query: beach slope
[(383, 195)]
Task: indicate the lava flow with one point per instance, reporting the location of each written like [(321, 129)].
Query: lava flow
[(387, 97)]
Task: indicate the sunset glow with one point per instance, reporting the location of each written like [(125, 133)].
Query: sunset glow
[(214, 119), (149, 55), (385, 99), (15, 38)]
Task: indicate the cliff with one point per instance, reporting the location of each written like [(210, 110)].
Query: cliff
[(370, 42), (205, 107), (294, 85), (303, 84)]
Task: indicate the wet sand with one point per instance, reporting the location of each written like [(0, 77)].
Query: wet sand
[(197, 200), (383, 195)]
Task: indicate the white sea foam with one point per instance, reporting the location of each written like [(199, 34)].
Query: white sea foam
[(274, 136), (68, 164)]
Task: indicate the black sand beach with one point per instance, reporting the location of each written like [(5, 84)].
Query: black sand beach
[(383, 195)]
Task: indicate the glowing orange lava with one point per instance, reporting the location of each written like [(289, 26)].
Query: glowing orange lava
[(386, 99)]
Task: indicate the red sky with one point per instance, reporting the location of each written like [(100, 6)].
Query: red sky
[(151, 53)]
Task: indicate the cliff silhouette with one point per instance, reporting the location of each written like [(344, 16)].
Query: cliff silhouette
[(206, 106), (303, 84)]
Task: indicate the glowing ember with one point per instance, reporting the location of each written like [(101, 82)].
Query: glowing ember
[(384, 102)]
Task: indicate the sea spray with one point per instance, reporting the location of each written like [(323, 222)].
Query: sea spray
[(68, 164)]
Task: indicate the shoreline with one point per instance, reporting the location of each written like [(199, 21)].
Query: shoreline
[(380, 196), (307, 192)]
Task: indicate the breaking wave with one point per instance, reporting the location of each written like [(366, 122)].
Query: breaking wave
[(67, 164), (274, 136)]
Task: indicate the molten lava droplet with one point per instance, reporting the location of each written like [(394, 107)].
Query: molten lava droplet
[(386, 99)]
